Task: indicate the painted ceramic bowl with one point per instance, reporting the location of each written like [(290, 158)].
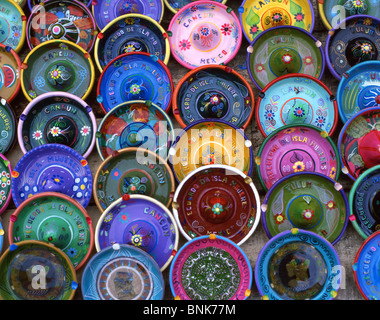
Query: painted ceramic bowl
[(2, 232), (52, 168), (57, 65), (57, 219), (175, 5), (135, 76), (354, 40), (23, 265), (131, 33), (33, 3), (296, 99), (213, 92), (57, 117), (204, 33), (135, 124), (284, 50), (139, 221), (365, 202), (217, 199), (7, 127), (13, 25), (366, 267), (359, 142), (105, 11), (10, 69), (308, 201), (5, 186), (359, 88), (132, 171), (122, 272), (298, 265), (257, 16), (68, 20), (210, 268), (203, 143), (296, 148), (331, 11)]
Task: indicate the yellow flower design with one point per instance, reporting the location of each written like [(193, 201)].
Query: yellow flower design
[(299, 166), (55, 74)]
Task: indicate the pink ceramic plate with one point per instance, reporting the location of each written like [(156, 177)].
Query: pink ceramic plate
[(203, 33)]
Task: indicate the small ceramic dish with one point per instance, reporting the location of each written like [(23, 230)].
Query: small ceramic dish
[(52, 167), (358, 89), (175, 5), (57, 117), (133, 171), (217, 199), (23, 266), (210, 268), (308, 201), (8, 127), (204, 142), (257, 16), (57, 65), (122, 272), (5, 186), (298, 265), (296, 148), (204, 33), (135, 76), (296, 99), (105, 11), (131, 33), (359, 142), (13, 25), (68, 20), (10, 69), (353, 41), (213, 92), (284, 50)]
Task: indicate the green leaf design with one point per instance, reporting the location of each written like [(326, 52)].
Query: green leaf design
[(295, 8), (300, 24), (252, 18)]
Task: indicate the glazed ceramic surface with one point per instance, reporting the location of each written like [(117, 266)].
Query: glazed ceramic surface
[(33, 3), (7, 127), (203, 33), (5, 183), (1, 237), (309, 201), (284, 50), (122, 272), (10, 68), (175, 5)]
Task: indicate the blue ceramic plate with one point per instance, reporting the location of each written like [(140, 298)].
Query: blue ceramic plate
[(366, 267), (52, 167), (358, 89), (297, 265), (122, 272), (135, 76)]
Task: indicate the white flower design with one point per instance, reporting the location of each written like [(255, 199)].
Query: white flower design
[(85, 130), (37, 135)]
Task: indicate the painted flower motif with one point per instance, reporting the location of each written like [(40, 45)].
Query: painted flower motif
[(55, 131), (320, 121), (129, 20), (83, 34), (254, 29), (27, 191), (130, 48), (226, 29), (123, 218), (37, 135), (287, 58), (184, 45), (116, 174), (136, 240), (214, 99), (279, 218), (299, 112), (5, 180), (308, 60), (81, 187), (299, 17), (55, 74), (217, 208), (71, 252), (193, 8), (332, 173), (269, 115), (205, 31), (330, 205), (32, 94), (366, 47), (277, 17), (85, 130), (134, 89), (209, 159), (367, 21), (259, 67), (308, 214), (357, 3), (108, 217), (299, 166)]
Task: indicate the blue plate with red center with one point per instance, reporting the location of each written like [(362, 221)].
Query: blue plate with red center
[(135, 76), (52, 167)]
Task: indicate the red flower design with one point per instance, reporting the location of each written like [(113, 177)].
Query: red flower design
[(226, 29), (184, 44)]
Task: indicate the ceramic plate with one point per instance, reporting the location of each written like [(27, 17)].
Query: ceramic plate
[(7, 127), (54, 218), (135, 76), (10, 69), (21, 263), (358, 89), (298, 265), (57, 65), (5, 186), (210, 268), (122, 272), (213, 92), (175, 5), (257, 16), (355, 40), (217, 199), (284, 50), (106, 11), (359, 142), (130, 171), (203, 33), (309, 201), (52, 167), (68, 20), (203, 143), (296, 99), (13, 25), (57, 117), (131, 33), (33, 3)]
